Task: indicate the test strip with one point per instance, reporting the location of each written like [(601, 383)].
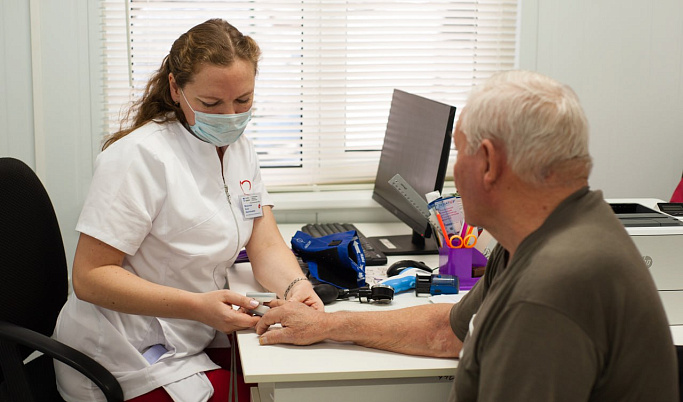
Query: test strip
[(262, 297)]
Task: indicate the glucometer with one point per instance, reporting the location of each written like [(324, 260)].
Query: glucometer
[(261, 297)]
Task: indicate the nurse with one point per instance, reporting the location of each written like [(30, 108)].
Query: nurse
[(176, 194)]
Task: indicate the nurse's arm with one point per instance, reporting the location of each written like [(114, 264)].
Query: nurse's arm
[(98, 278), (272, 261)]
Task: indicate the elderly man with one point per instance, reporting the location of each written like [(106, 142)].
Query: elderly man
[(567, 310)]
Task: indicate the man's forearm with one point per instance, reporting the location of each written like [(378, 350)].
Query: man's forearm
[(422, 330)]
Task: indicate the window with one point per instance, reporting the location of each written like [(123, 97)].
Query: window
[(327, 72)]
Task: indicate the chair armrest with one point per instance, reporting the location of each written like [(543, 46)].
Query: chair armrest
[(66, 354)]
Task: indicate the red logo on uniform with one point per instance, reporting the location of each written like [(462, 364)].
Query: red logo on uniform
[(242, 186)]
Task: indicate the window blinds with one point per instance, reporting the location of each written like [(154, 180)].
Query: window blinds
[(327, 73)]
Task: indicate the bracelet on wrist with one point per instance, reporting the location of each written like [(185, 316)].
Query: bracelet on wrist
[(291, 285)]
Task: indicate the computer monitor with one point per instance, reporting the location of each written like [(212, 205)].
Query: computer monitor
[(416, 146)]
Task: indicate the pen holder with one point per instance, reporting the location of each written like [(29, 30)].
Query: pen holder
[(461, 263)]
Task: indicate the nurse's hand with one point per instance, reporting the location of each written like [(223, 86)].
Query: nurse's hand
[(303, 292), (216, 309)]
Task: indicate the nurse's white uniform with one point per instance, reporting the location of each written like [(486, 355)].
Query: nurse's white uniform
[(159, 195)]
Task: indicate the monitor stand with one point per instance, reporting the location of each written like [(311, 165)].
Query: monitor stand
[(405, 244)]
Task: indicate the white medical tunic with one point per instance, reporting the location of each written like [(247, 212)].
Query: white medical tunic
[(160, 196)]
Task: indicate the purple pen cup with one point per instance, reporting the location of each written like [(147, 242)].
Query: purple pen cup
[(460, 262)]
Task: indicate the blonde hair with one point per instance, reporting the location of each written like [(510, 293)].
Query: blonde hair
[(538, 121), (213, 42)]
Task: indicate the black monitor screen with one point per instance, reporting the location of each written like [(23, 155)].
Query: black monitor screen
[(416, 146)]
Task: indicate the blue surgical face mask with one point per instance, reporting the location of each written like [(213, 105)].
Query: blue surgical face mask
[(218, 129)]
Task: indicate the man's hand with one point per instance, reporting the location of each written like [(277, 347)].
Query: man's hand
[(301, 324)]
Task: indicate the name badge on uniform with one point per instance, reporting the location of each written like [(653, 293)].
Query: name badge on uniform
[(251, 205)]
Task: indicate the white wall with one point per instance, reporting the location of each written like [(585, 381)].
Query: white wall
[(623, 57), (16, 108), (46, 99)]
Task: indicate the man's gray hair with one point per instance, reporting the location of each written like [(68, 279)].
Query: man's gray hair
[(538, 121)]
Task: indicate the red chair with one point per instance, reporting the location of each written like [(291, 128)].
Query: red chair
[(677, 196)]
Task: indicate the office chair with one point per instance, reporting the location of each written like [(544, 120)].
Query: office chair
[(33, 289), (677, 195)]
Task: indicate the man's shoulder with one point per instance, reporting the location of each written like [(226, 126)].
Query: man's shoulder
[(582, 263)]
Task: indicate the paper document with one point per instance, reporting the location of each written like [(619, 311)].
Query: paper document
[(447, 298)]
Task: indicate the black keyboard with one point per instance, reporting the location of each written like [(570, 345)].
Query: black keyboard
[(372, 255)]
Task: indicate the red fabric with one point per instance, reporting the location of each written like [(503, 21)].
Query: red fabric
[(220, 379), (677, 196)]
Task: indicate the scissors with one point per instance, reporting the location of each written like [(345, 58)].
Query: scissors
[(457, 241), (465, 239)]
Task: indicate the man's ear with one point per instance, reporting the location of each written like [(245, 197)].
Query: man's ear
[(493, 158)]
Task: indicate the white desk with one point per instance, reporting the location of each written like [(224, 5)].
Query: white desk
[(341, 372)]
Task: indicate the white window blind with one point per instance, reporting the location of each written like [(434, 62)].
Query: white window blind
[(327, 72)]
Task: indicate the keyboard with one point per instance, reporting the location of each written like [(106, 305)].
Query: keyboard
[(372, 255)]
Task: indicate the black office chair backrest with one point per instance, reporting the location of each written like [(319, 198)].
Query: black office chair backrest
[(33, 290), (33, 269)]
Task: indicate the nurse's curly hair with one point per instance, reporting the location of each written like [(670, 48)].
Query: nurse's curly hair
[(214, 42)]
